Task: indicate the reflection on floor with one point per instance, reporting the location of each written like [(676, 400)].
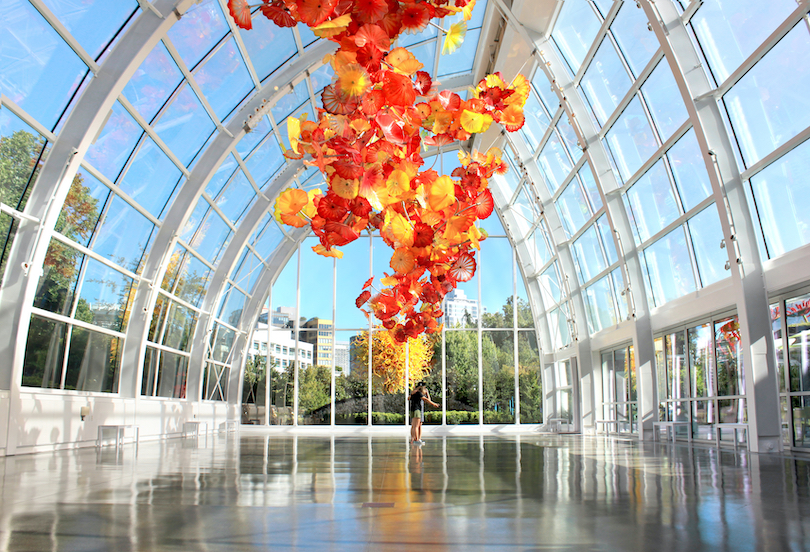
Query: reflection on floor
[(516, 493)]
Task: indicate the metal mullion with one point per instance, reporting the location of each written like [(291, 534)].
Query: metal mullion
[(62, 31), (120, 193), (552, 127), (690, 11), (195, 254), (776, 154), (226, 325), (598, 39), (22, 114), (238, 287), (218, 211), (152, 134), (628, 97), (240, 45), (601, 274), (480, 334), (767, 45), (577, 166), (692, 255), (42, 313), (246, 172), (164, 348)]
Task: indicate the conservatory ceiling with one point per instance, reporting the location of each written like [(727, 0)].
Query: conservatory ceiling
[(174, 120)]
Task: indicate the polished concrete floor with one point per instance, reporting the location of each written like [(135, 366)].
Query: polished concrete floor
[(251, 491)]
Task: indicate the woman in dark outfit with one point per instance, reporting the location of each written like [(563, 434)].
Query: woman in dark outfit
[(420, 394)]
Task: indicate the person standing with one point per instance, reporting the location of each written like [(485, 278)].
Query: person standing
[(417, 399)]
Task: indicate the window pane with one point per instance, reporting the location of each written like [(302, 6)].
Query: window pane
[(542, 86), (82, 207), (603, 226), (706, 234), (224, 79), (153, 82), (124, 235), (268, 46), (782, 196), (574, 32), (536, 122), (530, 382), (589, 256), (549, 286), (573, 208), (730, 30), (232, 305), (462, 376), (689, 171), (57, 284), (605, 82), (599, 302), (44, 353), (265, 161), (631, 140), (700, 360), (200, 28), (538, 248), (179, 327), (621, 294), (236, 198), (104, 298), (151, 178), (798, 311), (730, 374), (192, 280), (669, 268), (664, 100), (652, 203), (115, 143), (764, 107), (93, 361), (591, 189), (40, 71), (212, 237), (499, 376), (460, 61), (554, 163), (637, 43), (267, 238), (677, 366), (184, 125)]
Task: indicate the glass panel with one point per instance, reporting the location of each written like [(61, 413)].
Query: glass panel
[(93, 361), (779, 346), (574, 32), (499, 377), (559, 328), (730, 31), (224, 79), (589, 256), (268, 46), (113, 146), (549, 286), (226, 170), (664, 101), (290, 102), (763, 107), (123, 235), (631, 140), (608, 381), (82, 208), (351, 386), (236, 198), (57, 284), (233, 304), (192, 280), (700, 360), (798, 335), (599, 302), (620, 371), (267, 237), (215, 382), (703, 420), (265, 161), (151, 178), (222, 344), (652, 202), (603, 226), (93, 23), (689, 170), (462, 376), (530, 380), (544, 89), (637, 43), (662, 379), (677, 366), (730, 374), (591, 189), (732, 411), (801, 421), (620, 288), (669, 267), (569, 137), (153, 82), (247, 271), (554, 163), (200, 28), (496, 270), (40, 71), (180, 325), (184, 125), (605, 82), (537, 122), (105, 297), (706, 233), (44, 353), (212, 237), (573, 208), (538, 248), (782, 195), (172, 375)]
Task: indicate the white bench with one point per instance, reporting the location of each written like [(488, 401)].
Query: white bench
[(607, 423), (229, 425), (194, 428), (119, 433), (556, 423), (718, 428), (670, 426)]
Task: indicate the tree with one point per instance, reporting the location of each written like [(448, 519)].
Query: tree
[(388, 360)]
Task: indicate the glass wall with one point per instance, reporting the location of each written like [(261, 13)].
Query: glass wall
[(620, 389)]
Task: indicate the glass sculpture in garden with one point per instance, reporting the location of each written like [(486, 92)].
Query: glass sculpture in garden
[(378, 112)]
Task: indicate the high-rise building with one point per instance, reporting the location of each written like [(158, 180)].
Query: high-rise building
[(456, 306), (318, 331), (342, 363)]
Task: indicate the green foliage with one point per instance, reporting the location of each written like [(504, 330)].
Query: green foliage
[(503, 318)]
